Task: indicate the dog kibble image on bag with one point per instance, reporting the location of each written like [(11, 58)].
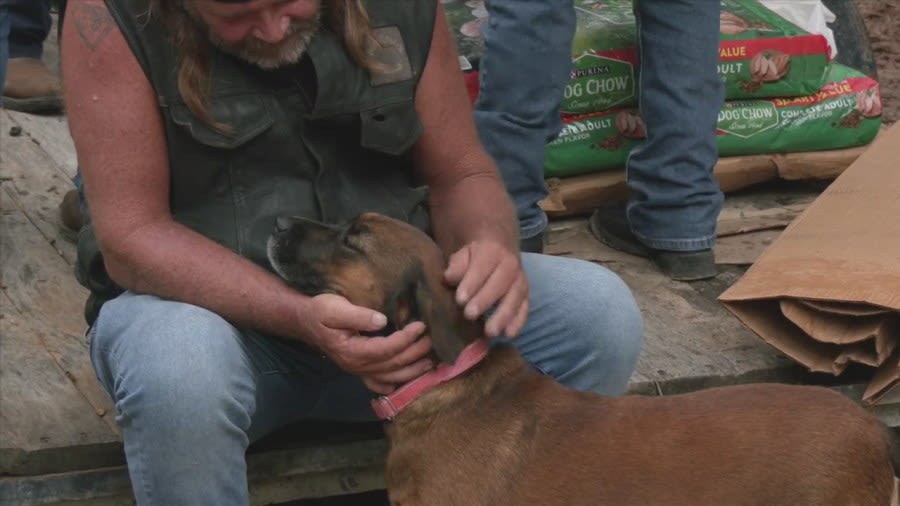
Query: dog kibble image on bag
[(761, 54), (845, 112)]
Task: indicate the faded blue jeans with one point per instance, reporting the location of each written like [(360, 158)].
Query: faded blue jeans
[(4, 43), (192, 392), (523, 73), (29, 25)]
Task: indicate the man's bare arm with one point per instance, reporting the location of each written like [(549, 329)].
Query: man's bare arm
[(118, 132), (468, 197), (472, 215)]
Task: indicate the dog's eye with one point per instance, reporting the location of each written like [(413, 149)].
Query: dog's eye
[(348, 236)]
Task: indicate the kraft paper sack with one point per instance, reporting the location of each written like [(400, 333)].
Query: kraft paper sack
[(827, 291)]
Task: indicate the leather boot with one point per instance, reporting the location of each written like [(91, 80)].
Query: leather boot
[(610, 225), (70, 217), (31, 87)]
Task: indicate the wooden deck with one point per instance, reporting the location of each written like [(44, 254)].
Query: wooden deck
[(58, 439)]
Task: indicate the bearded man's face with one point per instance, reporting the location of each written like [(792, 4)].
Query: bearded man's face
[(266, 33)]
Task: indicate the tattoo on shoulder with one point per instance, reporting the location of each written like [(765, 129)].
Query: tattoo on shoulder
[(92, 22)]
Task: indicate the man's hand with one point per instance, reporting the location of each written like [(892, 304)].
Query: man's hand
[(381, 362), (487, 273)]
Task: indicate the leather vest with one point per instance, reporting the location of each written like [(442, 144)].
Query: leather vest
[(324, 138)]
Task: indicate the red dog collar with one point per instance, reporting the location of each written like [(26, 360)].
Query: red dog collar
[(387, 407)]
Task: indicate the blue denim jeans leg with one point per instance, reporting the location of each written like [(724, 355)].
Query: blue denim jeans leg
[(676, 200), (4, 44), (192, 391), (29, 25), (523, 72)]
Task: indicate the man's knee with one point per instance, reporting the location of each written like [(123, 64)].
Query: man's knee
[(148, 351), (591, 318)]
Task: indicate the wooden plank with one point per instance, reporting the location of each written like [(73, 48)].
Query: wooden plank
[(691, 341), (35, 183), (580, 194), (41, 287), (816, 165), (50, 133), (39, 283), (97, 487), (275, 476), (745, 248), (42, 320), (46, 425), (763, 209), (749, 221)]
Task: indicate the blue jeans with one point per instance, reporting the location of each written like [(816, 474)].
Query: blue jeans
[(29, 25), (525, 68), (675, 198), (192, 392), (523, 74), (4, 43)]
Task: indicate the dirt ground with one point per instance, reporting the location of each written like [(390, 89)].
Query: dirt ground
[(882, 18)]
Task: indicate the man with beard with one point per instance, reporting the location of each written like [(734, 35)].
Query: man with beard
[(196, 124)]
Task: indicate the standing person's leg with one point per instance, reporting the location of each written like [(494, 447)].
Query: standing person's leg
[(523, 73), (29, 86), (675, 202), (584, 328), (4, 45), (30, 24)]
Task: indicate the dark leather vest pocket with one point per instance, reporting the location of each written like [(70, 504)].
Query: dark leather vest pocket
[(391, 129), (244, 116)]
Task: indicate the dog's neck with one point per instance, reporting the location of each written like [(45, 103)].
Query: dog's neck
[(388, 406)]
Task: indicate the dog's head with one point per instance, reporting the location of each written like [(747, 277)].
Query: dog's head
[(379, 263)]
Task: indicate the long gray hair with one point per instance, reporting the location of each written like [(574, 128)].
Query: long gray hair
[(347, 18)]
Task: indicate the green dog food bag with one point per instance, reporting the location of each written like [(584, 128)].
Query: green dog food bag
[(844, 112)]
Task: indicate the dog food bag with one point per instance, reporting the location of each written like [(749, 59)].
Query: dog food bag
[(843, 113), (465, 18), (761, 54)]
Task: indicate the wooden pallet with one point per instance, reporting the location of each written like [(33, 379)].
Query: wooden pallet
[(578, 195)]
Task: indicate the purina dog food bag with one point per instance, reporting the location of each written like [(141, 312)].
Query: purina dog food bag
[(761, 54), (843, 113)]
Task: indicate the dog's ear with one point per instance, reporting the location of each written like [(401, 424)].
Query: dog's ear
[(431, 302)]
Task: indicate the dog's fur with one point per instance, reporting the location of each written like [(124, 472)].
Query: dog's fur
[(502, 434)]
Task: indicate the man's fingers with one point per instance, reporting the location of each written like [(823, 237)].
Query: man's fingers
[(363, 352), (413, 353), (472, 282), (403, 375), (378, 388), (518, 323), (339, 313), (500, 282), (508, 309), (456, 266)]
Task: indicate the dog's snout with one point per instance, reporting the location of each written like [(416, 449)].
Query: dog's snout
[(282, 223)]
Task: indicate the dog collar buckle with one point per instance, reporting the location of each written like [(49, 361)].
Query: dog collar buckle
[(384, 409)]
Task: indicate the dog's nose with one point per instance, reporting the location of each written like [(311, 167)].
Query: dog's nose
[(282, 223)]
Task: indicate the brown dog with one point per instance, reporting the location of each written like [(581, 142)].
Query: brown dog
[(502, 434)]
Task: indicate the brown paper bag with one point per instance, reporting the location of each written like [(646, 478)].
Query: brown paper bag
[(827, 292)]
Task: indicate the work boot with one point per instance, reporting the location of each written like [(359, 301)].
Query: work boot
[(31, 87), (533, 244), (610, 226), (70, 217)]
